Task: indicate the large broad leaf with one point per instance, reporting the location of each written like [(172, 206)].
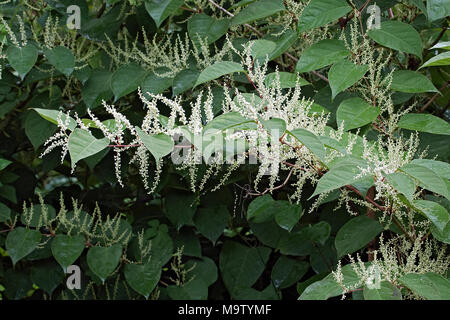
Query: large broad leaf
[(355, 234), (66, 249), (436, 213), (160, 10), (437, 9), (37, 129), (322, 54), (22, 59), (97, 88), (159, 144), (398, 36), (262, 48), (143, 278), (441, 168), (52, 116), (184, 81), (260, 209), (203, 269), (217, 70), (442, 59), (386, 291), (258, 10), (155, 84), (287, 215), (229, 120), (126, 79), (83, 144), (356, 112), (288, 271), (402, 183), (206, 28), (343, 75), (103, 260), (424, 123), (62, 59), (310, 140), (4, 163), (412, 82), (429, 285), (328, 287), (321, 12), (276, 127), (282, 44), (241, 266), (211, 221), (287, 80), (428, 178), (20, 242), (47, 276), (339, 176), (5, 213), (193, 290), (180, 209)]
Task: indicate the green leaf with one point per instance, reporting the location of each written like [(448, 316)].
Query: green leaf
[(356, 112), (429, 285), (143, 278), (355, 234), (193, 290), (322, 54), (207, 28), (180, 209), (259, 210), (184, 81), (155, 84), (424, 123), (97, 88), (427, 178), (103, 260), (282, 44), (62, 59), (159, 144), (37, 129), (20, 242), (398, 36), (288, 271), (287, 80), (218, 70), (211, 221), (318, 233), (67, 249), (5, 213), (262, 48), (52, 116), (445, 45), (257, 10), (204, 269), (321, 12), (386, 292), (328, 287), (437, 9), (160, 10), (287, 215), (402, 183), (4, 163), (22, 59), (269, 293), (229, 120), (47, 276), (83, 144), (241, 266), (310, 140), (441, 168), (436, 213), (411, 81), (126, 79), (275, 127), (442, 59), (343, 75)]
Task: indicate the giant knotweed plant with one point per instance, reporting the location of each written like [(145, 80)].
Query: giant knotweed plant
[(320, 121)]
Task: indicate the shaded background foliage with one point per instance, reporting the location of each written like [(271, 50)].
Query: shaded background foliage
[(233, 245)]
